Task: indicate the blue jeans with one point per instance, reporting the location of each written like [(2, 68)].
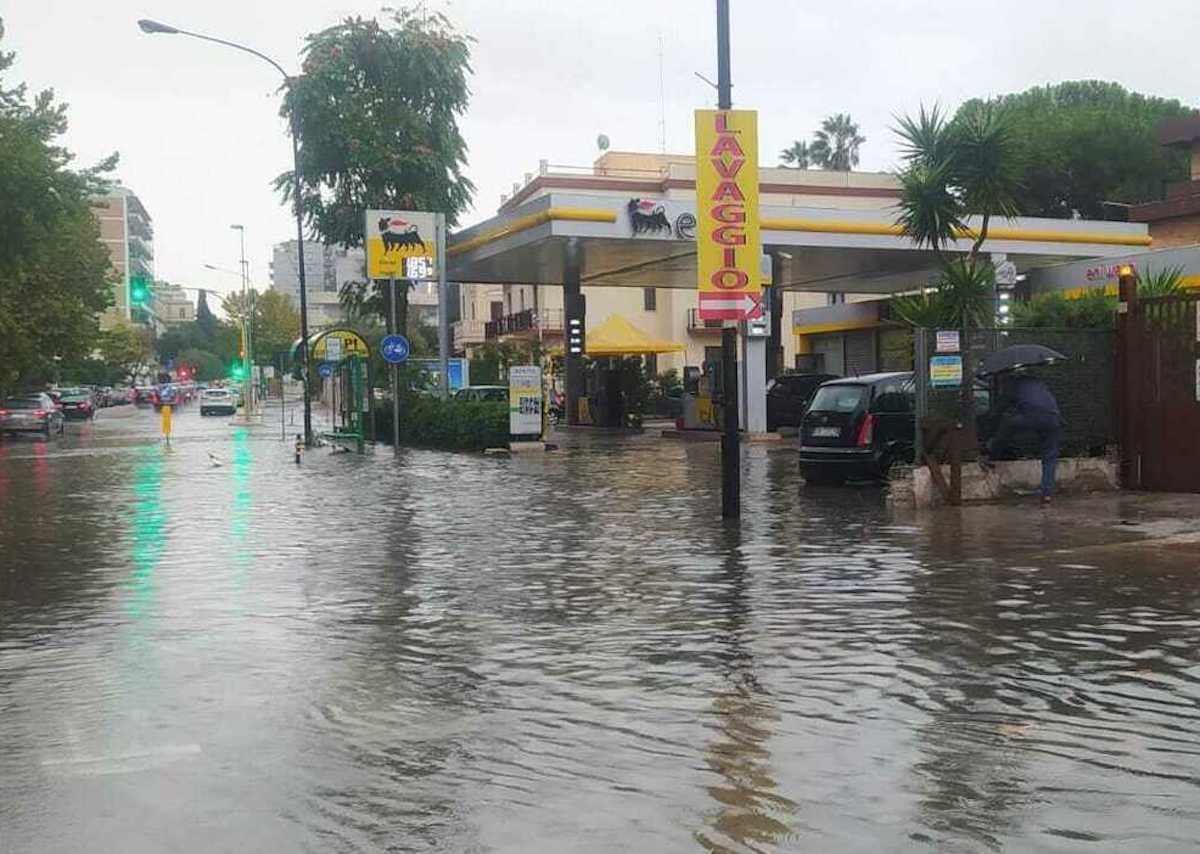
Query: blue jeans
[(1049, 433), (1024, 429)]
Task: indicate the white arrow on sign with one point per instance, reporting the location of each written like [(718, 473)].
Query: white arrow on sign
[(730, 306)]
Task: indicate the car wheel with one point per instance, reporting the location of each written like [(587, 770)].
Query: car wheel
[(822, 477)]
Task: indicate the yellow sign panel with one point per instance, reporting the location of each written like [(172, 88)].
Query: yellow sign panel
[(728, 239), (401, 245), (346, 343)]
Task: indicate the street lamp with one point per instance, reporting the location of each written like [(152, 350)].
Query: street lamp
[(152, 27), (247, 310)]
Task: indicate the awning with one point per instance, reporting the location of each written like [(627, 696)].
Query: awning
[(616, 336)]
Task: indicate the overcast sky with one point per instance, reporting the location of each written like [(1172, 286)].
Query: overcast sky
[(200, 139)]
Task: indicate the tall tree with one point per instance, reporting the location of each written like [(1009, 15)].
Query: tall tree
[(49, 298), (1086, 142), (377, 111), (958, 176), (277, 325), (274, 321), (126, 350), (835, 146), (796, 155), (206, 321)]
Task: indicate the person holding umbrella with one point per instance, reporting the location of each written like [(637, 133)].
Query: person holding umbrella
[(1027, 408)]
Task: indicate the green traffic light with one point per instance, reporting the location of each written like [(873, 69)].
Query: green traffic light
[(138, 292), (236, 372)]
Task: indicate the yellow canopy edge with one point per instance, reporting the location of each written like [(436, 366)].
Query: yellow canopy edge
[(616, 336)]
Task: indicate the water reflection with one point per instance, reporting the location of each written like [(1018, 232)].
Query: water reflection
[(568, 651), (750, 811)]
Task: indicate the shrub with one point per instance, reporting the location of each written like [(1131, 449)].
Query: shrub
[(431, 422)]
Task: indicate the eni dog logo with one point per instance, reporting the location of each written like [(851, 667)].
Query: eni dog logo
[(399, 243), (400, 234), (647, 215)]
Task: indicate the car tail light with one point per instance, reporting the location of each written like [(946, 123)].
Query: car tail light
[(866, 431), (3, 412), (39, 413)]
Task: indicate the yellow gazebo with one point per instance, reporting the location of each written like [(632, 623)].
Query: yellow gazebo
[(616, 336)]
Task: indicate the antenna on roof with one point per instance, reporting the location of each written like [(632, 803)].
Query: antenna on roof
[(662, 99)]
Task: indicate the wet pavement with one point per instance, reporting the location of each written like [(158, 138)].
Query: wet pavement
[(206, 648)]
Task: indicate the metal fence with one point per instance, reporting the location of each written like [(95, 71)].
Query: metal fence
[(1084, 385)]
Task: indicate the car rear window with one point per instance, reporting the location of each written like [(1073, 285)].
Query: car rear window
[(838, 398), (22, 403), (216, 392)]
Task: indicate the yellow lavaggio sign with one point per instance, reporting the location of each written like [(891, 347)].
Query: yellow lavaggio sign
[(728, 242), (401, 245)]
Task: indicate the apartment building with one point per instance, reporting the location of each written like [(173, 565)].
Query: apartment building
[(127, 231)]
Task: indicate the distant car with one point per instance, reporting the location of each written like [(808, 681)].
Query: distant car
[(858, 428), (494, 393), (144, 394), (788, 396), (32, 413), (217, 401), (121, 397), (78, 405)]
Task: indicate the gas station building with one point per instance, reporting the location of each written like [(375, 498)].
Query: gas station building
[(625, 228)]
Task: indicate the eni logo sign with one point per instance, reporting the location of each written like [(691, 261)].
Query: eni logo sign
[(728, 240)]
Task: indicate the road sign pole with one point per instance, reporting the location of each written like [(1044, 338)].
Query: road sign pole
[(395, 373), (731, 479), (443, 308)]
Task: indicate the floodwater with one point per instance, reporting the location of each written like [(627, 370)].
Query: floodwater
[(206, 648)]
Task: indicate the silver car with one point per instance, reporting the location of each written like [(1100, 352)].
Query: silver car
[(31, 413), (215, 401)]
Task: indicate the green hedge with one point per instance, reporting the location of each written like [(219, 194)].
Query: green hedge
[(431, 422)]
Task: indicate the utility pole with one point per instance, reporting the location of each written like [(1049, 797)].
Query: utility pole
[(731, 476), (247, 379)]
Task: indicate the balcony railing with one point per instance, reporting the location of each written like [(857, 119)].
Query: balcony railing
[(695, 324), (468, 332), (548, 320)]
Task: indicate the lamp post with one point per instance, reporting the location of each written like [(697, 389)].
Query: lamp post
[(247, 314), (153, 27)]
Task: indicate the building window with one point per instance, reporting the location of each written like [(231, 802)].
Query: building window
[(652, 364), (522, 292), (650, 299)]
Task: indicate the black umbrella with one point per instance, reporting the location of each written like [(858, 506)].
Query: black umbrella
[(1018, 356)]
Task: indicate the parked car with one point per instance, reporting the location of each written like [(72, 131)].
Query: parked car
[(858, 427), (217, 401), (121, 397), (78, 405), (494, 393), (788, 396), (144, 394), (31, 413)]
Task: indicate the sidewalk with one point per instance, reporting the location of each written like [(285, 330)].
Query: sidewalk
[(1120, 530)]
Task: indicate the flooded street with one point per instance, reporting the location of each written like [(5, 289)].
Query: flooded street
[(208, 648)]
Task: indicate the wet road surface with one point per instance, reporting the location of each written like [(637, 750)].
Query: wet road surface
[(565, 653)]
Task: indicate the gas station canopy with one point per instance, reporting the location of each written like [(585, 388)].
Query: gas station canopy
[(823, 249)]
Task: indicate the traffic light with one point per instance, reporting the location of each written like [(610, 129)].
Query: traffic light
[(139, 290), (237, 372)]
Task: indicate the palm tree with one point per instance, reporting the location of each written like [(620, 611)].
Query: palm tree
[(956, 171), (797, 154), (835, 146)]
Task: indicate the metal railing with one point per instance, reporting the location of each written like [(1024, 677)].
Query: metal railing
[(547, 320)]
